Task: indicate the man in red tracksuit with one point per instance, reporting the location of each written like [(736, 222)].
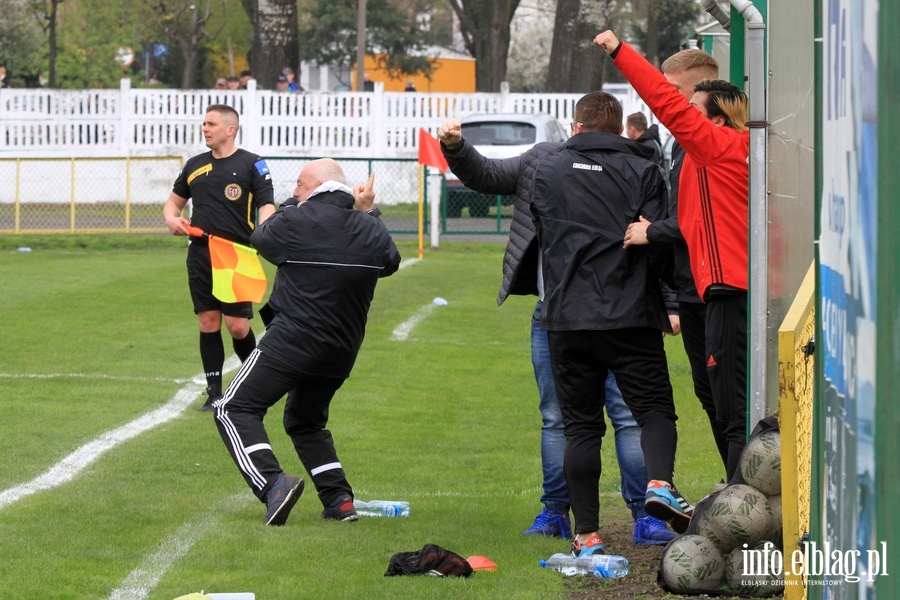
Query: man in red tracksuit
[(713, 217)]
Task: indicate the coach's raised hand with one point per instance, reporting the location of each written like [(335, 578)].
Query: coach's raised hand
[(364, 194), (450, 133), (607, 40)]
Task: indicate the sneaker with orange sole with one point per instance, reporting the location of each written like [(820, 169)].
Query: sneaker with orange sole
[(594, 545)]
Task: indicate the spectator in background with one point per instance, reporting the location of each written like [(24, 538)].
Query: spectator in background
[(292, 86), (410, 86), (245, 77), (282, 84), (368, 84), (4, 78), (234, 83), (221, 84), (636, 129)]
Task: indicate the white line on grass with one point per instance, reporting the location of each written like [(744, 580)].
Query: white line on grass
[(408, 262), (66, 469), (148, 574), (402, 331), (90, 376)]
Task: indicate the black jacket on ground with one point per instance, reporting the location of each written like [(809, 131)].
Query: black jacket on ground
[(329, 259), (585, 196)]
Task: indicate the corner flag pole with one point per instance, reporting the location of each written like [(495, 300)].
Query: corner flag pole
[(421, 223)]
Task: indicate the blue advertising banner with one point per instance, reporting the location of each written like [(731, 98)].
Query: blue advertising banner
[(847, 249)]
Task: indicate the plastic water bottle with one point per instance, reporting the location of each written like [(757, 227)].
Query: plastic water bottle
[(608, 566), (381, 508)]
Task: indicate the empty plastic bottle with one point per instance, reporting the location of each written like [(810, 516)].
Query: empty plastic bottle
[(381, 508), (599, 565)]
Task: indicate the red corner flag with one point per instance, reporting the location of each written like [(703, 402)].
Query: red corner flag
[(430, 152)]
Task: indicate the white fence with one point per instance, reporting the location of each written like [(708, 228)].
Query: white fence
[(166, 122)]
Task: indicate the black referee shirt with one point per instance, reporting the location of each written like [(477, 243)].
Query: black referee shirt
[(226, 192)]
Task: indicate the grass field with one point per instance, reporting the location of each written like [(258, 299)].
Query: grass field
[(99, 341)]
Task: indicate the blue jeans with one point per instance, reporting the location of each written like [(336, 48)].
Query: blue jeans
[(553, 438)]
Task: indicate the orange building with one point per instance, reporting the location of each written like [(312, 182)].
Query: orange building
[(453, 72)]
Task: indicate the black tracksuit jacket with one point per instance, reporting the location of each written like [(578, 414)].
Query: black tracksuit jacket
[(329, 259)]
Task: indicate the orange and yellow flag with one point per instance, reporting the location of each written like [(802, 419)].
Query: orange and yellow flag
[(238, 275)]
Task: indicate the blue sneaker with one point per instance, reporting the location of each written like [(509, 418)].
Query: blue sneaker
[(594, 545), (281, 498), (652, 531), (664, 502), (553, 525)]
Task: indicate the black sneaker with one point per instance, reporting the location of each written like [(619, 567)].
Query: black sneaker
[(281, 498), (212, 395), (342, 510)]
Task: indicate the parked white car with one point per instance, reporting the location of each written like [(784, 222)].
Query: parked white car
[(498, 136)]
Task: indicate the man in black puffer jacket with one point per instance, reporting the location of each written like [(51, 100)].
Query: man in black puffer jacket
[(513, 176), (329, 259)]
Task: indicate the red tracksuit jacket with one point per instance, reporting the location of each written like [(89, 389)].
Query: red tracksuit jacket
[(713, 211)]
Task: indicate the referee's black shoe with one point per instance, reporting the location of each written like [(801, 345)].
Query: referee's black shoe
[(212, 394), (282, 497)]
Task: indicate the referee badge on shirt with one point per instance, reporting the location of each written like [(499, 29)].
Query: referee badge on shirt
[(233, 191)]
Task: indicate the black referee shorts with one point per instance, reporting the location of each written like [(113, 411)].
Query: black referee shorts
[(199, 271)]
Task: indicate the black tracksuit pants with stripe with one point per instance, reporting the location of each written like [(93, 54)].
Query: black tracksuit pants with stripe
[(259, 384)]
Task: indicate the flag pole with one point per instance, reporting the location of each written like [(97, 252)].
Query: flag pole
[(421, 224)]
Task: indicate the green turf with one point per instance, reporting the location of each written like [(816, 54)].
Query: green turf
[(99, 331)]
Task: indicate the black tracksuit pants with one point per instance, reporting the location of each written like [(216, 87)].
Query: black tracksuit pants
[(726, 365), (581, 361), (259, 384), (693, 336)]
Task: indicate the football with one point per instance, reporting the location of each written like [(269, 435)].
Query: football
[(738, 515), (763, 580), (761, 462), (692, 563)]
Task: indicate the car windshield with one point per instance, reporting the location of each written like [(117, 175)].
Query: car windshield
[(499, 133)]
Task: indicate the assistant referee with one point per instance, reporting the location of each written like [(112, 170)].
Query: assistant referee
[(230, 188)]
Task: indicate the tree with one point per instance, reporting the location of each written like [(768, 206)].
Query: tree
[(328, 36), (486, 34), (91, 35), (531, 33), (275, 43), (186, 27), (47, 11), (575, 64), (21, 43), (661, 26)]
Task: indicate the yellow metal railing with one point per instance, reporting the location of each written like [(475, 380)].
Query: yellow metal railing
[(86, 195), (796, 377)]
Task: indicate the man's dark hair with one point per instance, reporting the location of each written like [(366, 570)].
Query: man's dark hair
[(599, 111), (724, 99), (637, 120), (246, 73)]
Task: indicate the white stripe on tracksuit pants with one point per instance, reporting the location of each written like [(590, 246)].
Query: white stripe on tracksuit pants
[(259, 384)]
